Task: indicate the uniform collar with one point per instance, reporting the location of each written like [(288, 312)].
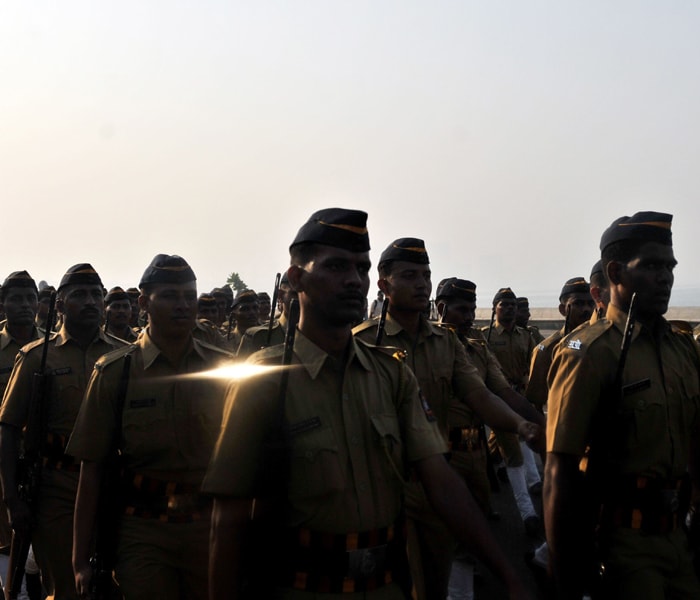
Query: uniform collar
[(63, 337), (313, 358), (425, 328), (6, 338), (150, 351), (500, 328), (618, 318)]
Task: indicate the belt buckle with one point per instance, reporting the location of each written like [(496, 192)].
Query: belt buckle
[(366, 562)]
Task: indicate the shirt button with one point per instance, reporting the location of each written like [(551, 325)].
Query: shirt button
[(363, 487), (309, 454), (355, 440)]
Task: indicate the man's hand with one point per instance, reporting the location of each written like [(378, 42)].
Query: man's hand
[(533, 435), (83, 579)]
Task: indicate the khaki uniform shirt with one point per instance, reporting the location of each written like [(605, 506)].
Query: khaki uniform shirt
[(437, 359), (69, 367), (130, 336), (256, 337), (8, 352), (352, 424), (169, 421), (489, 370), (513, 350), (644, 429), (537, 389), (535, 333), (205, 331)]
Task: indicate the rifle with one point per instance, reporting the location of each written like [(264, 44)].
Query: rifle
[(109, 507), (382, 323), (597, 475), (268, 511), (275, 294), (30, 462), (566, 319), (493, 316), (626, 343)]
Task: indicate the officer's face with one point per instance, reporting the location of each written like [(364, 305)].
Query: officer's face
[(119, 313), (408, 286), (171, 308), (650, 275), (505, 310), (580, 308), (43, 308), (522, 315), (264, 309), (210, 313), (20, 306), (82, 305), (460, 313), (220, 309), (247, 314), (333, 286)]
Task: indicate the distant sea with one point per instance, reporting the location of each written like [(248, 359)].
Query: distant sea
[(684, 305), (680, 297)]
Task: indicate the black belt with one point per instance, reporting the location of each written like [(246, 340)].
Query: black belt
[(464, 439), (342, 563), (54, 456), (166, 501), (649, 504)]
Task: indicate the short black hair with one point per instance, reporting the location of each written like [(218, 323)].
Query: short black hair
[(621, 251), (385, 268), (303, 253)]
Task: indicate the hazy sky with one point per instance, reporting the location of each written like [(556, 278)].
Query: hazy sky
[(508, 135)]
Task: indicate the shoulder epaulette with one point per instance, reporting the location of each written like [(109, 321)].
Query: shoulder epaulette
[(582, 338), (114, 356), (113, 338), (393, 351), (366, 324), (270, 355), (678, 326), (208, 346), (35, 343)]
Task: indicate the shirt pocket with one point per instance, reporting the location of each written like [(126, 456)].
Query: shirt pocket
[(315, 469), (643, 417), (145, 431), (391, 449), (68, 391)]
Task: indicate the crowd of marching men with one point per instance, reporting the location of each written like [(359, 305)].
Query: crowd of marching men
[(129, 469)]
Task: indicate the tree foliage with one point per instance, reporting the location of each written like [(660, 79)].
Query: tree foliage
[(235, 281)]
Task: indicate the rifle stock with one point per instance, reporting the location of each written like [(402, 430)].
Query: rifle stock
[(28, 472), (382, 322), (110, 506), (265, 535)]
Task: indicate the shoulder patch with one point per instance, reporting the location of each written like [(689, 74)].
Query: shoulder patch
[(582, 338), (425, 405), (574, 344)]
